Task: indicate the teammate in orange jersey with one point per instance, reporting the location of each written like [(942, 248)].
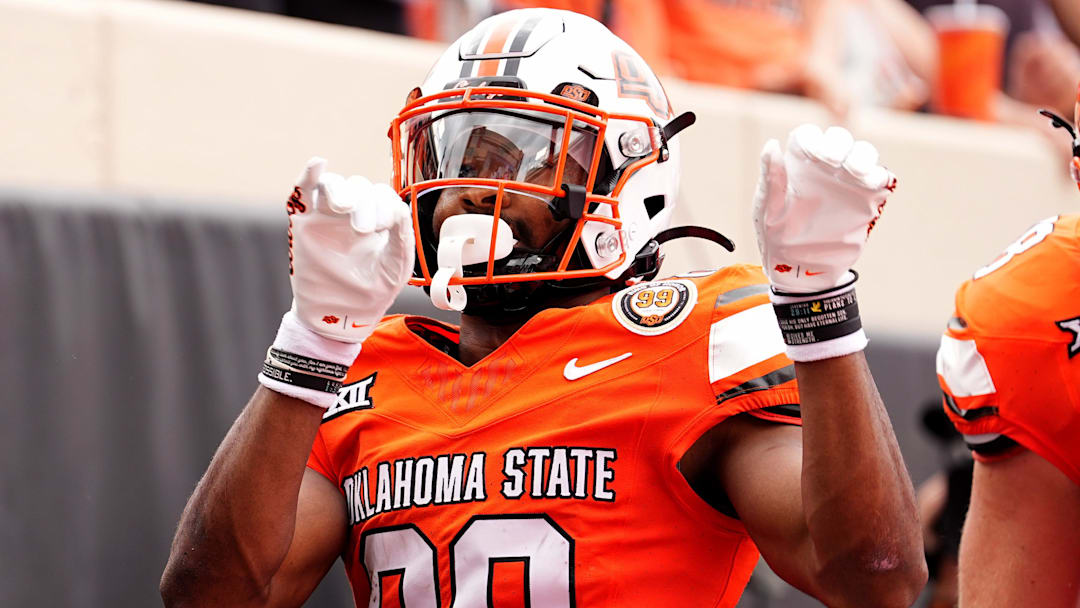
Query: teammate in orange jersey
[(588, 436), (1008, 367)]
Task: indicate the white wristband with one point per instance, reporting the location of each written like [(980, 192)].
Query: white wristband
[(820, 325), (293, 337), (837, 347)]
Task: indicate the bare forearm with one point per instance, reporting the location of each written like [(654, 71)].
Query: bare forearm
[(238, 524), (857, 496)]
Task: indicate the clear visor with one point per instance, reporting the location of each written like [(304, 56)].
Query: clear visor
[(517, 146)]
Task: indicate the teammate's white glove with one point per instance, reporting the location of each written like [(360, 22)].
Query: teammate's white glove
[(815, 205), (813, 211), (350, 253)]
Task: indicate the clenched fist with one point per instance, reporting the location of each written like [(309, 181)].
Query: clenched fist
[(351, 252), (815, 205)]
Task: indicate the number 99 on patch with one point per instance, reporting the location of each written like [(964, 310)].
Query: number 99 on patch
[(655, 308)]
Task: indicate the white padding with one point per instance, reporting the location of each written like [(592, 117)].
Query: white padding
[(743, 339), (963, 368)]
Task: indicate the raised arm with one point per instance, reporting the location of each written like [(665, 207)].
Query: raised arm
[(831, 507), (261, 529)]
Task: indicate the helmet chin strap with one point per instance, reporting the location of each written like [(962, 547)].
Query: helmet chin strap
[(464, 240)]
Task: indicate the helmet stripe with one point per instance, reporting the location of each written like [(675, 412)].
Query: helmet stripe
[(518, 44), (467, 66), (494, 46)]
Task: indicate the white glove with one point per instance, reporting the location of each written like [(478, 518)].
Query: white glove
[(815, 206), (351, 252)]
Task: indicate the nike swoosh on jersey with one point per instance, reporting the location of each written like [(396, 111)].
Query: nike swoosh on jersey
[(573, 372)]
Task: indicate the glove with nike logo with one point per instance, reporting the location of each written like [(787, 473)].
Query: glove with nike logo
[(351, 252), (814, 208)]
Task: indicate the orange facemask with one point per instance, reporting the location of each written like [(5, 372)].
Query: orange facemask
[(511, 140)]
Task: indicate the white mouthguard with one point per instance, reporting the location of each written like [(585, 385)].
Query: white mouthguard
[(463, 240)]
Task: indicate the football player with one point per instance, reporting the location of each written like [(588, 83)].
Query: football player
[(587, 436), (1008, 367)]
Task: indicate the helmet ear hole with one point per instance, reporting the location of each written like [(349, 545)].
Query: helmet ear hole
[(654, 205)]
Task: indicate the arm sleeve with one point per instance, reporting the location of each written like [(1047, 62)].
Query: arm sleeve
[(1003, 395), (748, 370)]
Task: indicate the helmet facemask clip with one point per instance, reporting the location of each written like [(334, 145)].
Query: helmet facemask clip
[(571, 206)]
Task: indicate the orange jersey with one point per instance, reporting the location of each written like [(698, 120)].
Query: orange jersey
[(1007, 361), (547, 473)]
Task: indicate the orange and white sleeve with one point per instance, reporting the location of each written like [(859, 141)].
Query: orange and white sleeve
[(748, 369), (970, 395)]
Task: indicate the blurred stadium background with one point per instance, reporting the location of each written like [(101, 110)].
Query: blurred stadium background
[(146, 148)]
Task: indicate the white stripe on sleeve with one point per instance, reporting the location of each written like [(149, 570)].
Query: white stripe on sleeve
[(743, 339), (963, 368)]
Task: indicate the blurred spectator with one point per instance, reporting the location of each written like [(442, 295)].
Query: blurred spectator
[(1025, 17), (1040, 67), (1043, 70), (1021, 13), (443, 19), (890, 56), (840, 52), (1068, 14)]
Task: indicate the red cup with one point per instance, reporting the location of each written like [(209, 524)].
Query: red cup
[(971, 40)]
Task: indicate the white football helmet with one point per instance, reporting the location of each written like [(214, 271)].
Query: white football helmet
[(509, 107)]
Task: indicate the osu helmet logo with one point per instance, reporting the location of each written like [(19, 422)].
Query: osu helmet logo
[(575, 92)]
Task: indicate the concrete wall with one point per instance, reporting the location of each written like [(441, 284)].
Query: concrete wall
[(181, 99)]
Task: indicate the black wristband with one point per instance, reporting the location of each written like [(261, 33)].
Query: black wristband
[(818, 320), (309, 365), (300, 379)]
